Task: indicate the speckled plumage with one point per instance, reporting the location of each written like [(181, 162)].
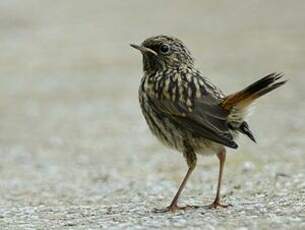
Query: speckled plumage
[(185, 111), (175, 87), (177, 91)]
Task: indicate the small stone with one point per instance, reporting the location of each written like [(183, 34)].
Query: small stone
[(248, 166)]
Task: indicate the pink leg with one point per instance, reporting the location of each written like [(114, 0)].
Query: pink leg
[(191, 161), (222, 157)]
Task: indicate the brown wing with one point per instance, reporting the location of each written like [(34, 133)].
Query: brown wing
[(207, 118)]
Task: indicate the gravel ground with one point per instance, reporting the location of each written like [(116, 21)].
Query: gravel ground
[(75, 150)]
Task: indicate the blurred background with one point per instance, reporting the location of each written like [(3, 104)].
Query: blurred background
[(74, 148)]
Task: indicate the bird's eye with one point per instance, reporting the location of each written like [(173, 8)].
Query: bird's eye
[(164, 49)]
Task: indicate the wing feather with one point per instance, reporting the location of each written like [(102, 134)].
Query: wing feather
[(206, 119)]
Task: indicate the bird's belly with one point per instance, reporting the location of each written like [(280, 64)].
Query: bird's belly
[(203, 146)]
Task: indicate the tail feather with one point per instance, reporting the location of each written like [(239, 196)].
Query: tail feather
[(259, 88), (244, 128), (238, 103)]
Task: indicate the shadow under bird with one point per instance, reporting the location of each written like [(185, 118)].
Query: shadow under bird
[(186, 112)]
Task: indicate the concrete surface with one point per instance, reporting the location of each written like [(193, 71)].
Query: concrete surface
[(75, 150)]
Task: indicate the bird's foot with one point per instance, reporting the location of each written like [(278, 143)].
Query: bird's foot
[(217, 204), (174, 208)]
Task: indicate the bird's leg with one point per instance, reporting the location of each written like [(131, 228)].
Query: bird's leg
[(191, 161), (222, 157)]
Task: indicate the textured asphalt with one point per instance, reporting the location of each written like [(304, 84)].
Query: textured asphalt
[(75, 150)]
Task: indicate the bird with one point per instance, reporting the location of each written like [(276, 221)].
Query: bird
[(187, 112)]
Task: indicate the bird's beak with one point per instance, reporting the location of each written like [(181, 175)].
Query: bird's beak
[(144, 49)]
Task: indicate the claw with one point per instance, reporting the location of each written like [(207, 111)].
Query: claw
[(216, 204), (174, 208)]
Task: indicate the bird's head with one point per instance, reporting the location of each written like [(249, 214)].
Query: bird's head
[(164, 52)]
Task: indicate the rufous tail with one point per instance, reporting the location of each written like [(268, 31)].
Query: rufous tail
[(242, 99)]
